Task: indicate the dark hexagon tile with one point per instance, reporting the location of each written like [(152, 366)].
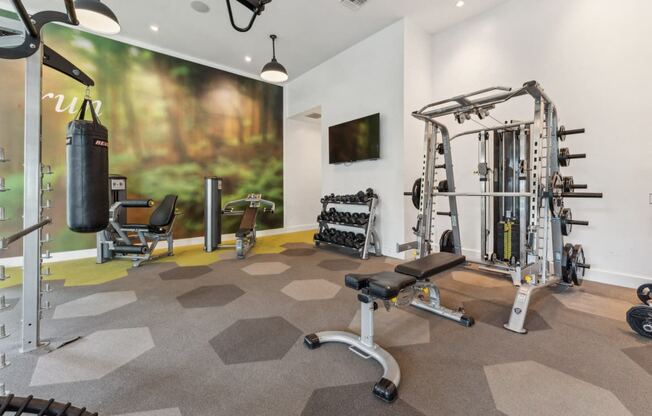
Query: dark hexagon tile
[(251, 340), (179, 273), (339, 265), (210, 296), (299, 252), (354, 400), (641, 356), (498, 314)]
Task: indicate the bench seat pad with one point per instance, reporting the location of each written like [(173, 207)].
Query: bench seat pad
[(386, 285), (430, 265)]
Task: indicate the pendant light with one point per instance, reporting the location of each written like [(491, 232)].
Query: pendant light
[(97, 16), (273, 71)]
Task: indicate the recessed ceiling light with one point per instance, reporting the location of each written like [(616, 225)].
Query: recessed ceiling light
[(248, 58), (154, 28), (459, 3), (200, 6)]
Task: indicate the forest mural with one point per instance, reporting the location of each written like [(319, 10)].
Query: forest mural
[(171, 123)]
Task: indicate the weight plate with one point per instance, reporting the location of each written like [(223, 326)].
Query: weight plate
[(644, 293), (416, 194), (566, 215), (578, 259), (556, 200), (446, 242), (639, 319), (566, 263), (568, 184)]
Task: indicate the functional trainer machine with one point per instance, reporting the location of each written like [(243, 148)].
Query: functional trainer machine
[(18, 40), (639, 317), (520, 182), (408, 285), (135, 242), (247, 208)]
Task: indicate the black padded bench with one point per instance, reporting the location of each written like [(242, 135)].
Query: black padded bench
[(387, 285)]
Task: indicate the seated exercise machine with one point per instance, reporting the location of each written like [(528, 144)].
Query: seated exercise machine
[(245, 236), (409, 284), (639, 317), (135, 242), (523, 220)]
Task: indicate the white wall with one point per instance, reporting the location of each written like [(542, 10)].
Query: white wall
[(301, 173), (365, 79), (594, 59)]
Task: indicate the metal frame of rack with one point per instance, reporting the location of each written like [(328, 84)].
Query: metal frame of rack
[(371, 238)]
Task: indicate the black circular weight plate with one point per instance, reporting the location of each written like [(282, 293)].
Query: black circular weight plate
[(644, 293), (639, 319)]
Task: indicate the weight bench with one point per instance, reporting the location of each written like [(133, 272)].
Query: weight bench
[(408, 285)]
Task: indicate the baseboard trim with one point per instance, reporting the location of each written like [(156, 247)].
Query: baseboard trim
[(608, 277), (183, 242)]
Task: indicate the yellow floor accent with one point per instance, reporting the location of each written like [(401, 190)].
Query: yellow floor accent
[(86, 272)]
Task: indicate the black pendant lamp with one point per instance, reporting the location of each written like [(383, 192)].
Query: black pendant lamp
[(97, 16), (273, 71)]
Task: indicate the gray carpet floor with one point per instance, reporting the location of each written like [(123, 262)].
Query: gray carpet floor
[(226, 339)]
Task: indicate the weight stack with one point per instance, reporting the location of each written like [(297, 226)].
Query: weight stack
[(212, 213)]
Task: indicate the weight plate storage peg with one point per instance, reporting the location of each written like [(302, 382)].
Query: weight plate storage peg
[(639, 319), (644, 293)]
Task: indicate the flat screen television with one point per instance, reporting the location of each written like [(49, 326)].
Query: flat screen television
[(354, 140)]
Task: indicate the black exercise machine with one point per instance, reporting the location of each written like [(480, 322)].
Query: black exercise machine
[(135, 242), (247, 208), (639, 317)]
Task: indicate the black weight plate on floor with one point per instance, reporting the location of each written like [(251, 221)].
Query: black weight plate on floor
[(639, 319)]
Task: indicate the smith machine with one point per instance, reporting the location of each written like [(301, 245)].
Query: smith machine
[(22, 39), (523, 218)]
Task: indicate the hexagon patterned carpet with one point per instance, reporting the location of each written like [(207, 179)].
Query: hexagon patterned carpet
[(206, 334)]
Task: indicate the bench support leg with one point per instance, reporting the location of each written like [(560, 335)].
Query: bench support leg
[(363, 345), (433, 305)]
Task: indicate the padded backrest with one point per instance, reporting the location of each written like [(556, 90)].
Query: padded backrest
[(164, 213)]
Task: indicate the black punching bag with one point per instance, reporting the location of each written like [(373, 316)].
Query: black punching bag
[(87, 155)]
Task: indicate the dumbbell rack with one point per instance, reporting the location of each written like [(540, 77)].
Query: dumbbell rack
[(371, 239)]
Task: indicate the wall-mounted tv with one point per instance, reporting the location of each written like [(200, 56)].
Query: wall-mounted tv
[(355, 140)]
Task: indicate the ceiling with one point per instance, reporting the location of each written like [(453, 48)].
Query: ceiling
[(309, 31)]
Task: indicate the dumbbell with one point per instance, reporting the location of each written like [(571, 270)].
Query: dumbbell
[(359, 240), (370, 193), (361, 196)]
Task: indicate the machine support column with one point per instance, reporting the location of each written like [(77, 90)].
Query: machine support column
[(32, 203)]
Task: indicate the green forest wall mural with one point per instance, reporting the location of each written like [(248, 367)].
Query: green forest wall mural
[(171, 123)]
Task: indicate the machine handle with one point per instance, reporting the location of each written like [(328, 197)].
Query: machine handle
[(137, 203)]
